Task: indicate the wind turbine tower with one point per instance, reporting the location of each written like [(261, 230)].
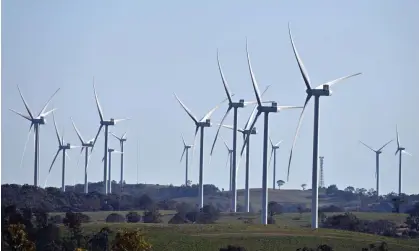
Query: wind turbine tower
[(186, 150), (104, 123), (400, 150), (266, 110), (321, 183), (110, 151), (121, 140), (230, 160), (377, 164), (319, 91), (36, 122), (61, 147), (85, 146), (273, 152), (200, 124)]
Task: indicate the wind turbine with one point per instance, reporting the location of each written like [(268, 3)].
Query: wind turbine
[(36, 122), (185, 150), (377, 164), (121, 140), (110, 151), (247, 132), (200, 124), (234, 106), (230, 160), (273, 151), (104, 123), (400, 150), (266, 110), (61, 147), (85, 146), (321, 90)]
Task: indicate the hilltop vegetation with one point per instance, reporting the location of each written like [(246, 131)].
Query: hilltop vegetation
[(136, 197)]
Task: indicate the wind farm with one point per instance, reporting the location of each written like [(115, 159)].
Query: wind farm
[(251, 176)]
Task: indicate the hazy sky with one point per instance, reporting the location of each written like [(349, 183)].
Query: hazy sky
[(141, 52)]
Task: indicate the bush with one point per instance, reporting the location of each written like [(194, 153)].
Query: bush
[(152, 216), (178, 219), (347, 221), (208, 215), (271, 220), (130, 240), (114, 217), (56, 219), (16, 238), (133, 217)]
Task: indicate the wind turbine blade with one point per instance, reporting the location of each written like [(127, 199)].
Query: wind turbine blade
[(97, 135), (56, 130), (224, 81), (270, 140), (405, 152), (47, 103), (228, 158), (270, 158), (194, 144), (53, 160), (385, 145), (118, 152), (255, 85), (286, 107), (124, 135), (208, 115), (77, 131), (330, 83), (218, 130), (227, 126), (20, 114), (119, 120), (183, 153), (397, 151), (248, 135), (78, 158), (115, 136), (24, 148), (99, 109), (299, 61), (81, 150), (72, 147), (296, 134), (24, 102), (398, 140), (277, 144), (48, 112), (186, 109), (251, 117), (183, 139), (225, 143), (66, 154), (367, 146)]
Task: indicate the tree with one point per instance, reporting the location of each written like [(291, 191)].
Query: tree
[(130, 240), (303, 186), (189, 183), (280, 183), (349, 189), (332, 190)]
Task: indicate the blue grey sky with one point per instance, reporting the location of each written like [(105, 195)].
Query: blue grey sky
[(140, 52)]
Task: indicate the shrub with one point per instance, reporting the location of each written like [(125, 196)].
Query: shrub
[(152, 216), (114, 217), (16, 238), (208, 215), (178, 219), (271, 220), (130, 240), (56, 219), (233, 248), (133, 217)]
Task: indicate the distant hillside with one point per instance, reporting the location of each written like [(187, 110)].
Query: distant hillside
[(167, 196)]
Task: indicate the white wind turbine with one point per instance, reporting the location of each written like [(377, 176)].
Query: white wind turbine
[(400, 150), (110, 151), (230, 160), (121, 140), (186, 150), (274, 147), (36, 122), (62, 146), (377, 164), (85, 146), (321, 90), (266, 110), (200, 124)]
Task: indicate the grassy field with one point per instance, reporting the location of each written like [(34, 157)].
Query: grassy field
[(252, 237), (289, 233)]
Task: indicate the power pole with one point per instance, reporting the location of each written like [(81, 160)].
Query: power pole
[(321, 172)]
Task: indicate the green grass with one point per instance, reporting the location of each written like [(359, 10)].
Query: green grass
[(286, 234), (252, 237)]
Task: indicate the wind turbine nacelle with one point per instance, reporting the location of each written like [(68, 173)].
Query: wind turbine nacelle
[(325, 87), (274, 104), (254, 131), (241, 101), (208, 122)]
